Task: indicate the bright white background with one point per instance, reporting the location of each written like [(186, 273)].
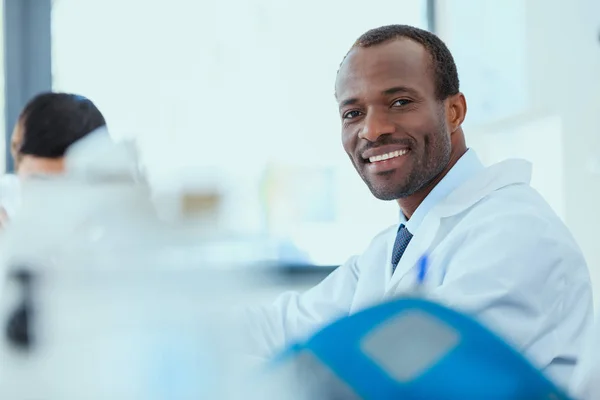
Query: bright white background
[(244, 88), (234, 87), (2, 110)]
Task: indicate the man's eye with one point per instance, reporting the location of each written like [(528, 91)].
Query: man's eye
[(351, 114), (401, 102)]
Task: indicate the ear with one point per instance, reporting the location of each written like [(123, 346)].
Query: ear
[(456, 111), (16, 140)]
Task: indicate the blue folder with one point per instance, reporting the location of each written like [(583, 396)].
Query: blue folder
[(413, 349)]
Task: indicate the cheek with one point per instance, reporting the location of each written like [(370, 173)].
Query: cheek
[(348, 141), (420, 124), (423, 120)]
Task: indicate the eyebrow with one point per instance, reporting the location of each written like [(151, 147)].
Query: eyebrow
[(399, 89), (387, 92)]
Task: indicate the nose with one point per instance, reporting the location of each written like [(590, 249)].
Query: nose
[(376, 123)]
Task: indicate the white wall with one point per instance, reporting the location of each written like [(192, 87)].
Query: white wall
[(232, 87), (558, 125), (568, 80), (530, 70), (2, 108)]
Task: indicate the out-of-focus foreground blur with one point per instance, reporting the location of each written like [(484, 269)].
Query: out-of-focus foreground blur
[(235, 100), (241, 93)]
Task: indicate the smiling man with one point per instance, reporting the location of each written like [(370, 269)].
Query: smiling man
[(497, 251)]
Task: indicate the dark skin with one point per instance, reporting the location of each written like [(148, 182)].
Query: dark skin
[(401, 138)]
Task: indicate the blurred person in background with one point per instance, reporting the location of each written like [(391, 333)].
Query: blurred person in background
[(496, 249), (47, 126)]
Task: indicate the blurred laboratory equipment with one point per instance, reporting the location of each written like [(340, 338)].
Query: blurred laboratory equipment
[(412, 349), (112, 291)]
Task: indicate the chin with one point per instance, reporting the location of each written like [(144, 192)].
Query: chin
[(384, 196), (386, 189), (383, 193)]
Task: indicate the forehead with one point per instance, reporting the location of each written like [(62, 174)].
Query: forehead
[(398, 63)]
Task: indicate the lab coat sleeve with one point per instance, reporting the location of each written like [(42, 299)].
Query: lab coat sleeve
[(585, 384), (294, 316), (527, 281)]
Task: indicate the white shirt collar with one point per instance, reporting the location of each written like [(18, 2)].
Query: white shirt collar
[(464, 169)]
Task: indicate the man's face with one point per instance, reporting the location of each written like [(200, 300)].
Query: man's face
[(393, 126)]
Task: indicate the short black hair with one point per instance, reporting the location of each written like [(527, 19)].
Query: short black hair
[(444, 68), (51, 122)]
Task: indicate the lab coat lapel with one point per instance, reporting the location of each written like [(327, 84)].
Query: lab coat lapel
[(388, 257), (418, 246), (503, 174), (506, 173)]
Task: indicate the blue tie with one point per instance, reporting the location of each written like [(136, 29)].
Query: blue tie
[(402, 240)]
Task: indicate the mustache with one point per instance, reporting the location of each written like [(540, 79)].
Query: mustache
[(384, 141)]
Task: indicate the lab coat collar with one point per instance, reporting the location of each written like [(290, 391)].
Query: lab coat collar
[(487, 181), (465, 168), (497, 176)]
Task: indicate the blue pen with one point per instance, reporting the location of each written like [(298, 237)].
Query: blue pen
[(421, 273), (423, 264), (418, 289)]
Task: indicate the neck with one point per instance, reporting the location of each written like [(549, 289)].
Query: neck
[(411, 203), (32, 165)]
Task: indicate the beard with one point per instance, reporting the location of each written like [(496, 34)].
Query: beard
[(423, 164)]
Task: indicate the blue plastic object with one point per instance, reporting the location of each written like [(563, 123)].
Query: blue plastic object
[(414, 349)]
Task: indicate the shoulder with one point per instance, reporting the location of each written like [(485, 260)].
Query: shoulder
[(381, 240), (9, 194), (377, 247), (516, 207), (516, 224)]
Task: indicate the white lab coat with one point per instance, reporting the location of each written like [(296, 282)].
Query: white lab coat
[(585, 384), (497, 251), (9, 193)]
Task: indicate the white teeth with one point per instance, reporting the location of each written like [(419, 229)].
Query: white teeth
[(387, 156)]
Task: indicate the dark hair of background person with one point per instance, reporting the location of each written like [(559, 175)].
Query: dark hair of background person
[(51, 122)]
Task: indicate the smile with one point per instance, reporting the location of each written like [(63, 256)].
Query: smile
[(388, 156)]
